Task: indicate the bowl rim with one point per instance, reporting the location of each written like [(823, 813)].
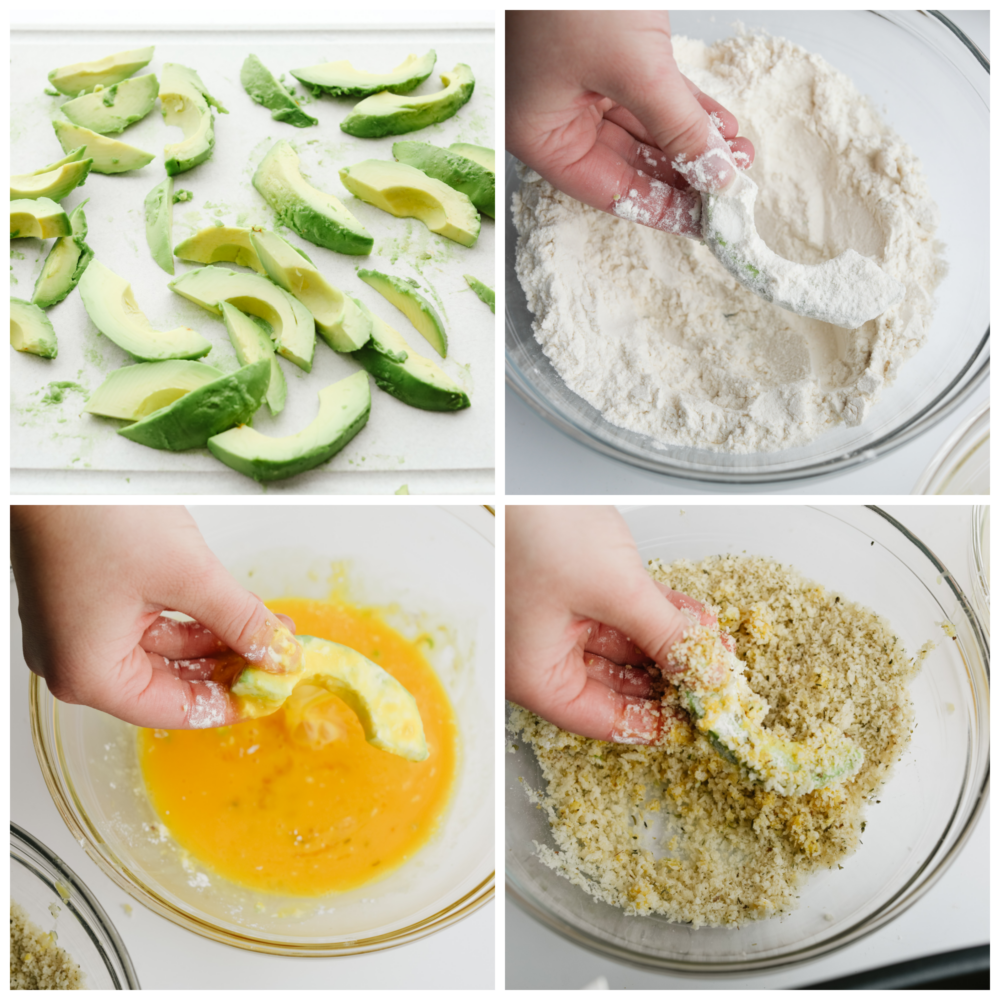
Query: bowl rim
[(933, 413), (893, 910)]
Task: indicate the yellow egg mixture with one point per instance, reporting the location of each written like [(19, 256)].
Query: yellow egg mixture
[(297, 802)]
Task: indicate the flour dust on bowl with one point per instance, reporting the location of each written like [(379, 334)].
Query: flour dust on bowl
[(639, 344), (915, 823), (427, 572)]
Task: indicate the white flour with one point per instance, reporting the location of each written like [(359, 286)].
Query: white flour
[(651, 330)]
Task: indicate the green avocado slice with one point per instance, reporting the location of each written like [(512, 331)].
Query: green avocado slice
[(136, 391), (412, 305), (83, 77), (109, 155), (54, 184), (251, 339), (31, 330), (220, 243), (65, 264), (114, 108), (395, 114), (159, 211), (341, 79), (204, 412), (483, 155), (485, 293), (73, 156), (315, 215), (185, 102), (343, 411), (260, 84), (110, 303), (457, 171), (41, 218)]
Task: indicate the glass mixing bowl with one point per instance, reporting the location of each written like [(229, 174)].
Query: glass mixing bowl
[(433, 569), (962, 464), (926, 810), (931, 86)]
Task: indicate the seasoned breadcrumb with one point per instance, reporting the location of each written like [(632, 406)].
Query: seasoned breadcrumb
[(36, 961)]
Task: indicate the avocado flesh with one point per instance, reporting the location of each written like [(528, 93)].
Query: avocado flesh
[(315, 215), (136, 391), (83, 77), (31, 331), (292, 326), (73, 156), (185, 102), (109, 155), (387, 712), (260, 84), (114, 108), (339, 321), (40, 218), (483, 155), (252, 343), (458, 172), (406, 192), (343, 411), (407, 376), (159, 212), (220, 243), (65, 264), (341, 79), (485, 293), (204, 412), (395, 114), (54, 184), (111, 305), (412, 305)]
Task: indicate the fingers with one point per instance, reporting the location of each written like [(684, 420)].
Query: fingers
[(601, 713), (613, 644), (624, 680), (176, 640)]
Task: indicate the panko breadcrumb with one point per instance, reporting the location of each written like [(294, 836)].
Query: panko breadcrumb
[(36, 961), (675, 829)]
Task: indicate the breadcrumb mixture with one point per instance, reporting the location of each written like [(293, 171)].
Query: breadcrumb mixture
[(36, 961), (677, 830)]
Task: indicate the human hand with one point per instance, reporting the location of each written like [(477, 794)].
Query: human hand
[(91, 584), (597, 106), (583, 617)]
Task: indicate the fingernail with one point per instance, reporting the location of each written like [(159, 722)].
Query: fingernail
[(639, 722), (714, 170)]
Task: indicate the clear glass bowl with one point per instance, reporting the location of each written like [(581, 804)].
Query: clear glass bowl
[(927, 809), (40, 882), (981, 563), (932, 87), (434, 569), (962, 465)]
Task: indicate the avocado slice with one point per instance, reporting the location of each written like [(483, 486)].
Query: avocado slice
[(41, 218), (387, 712), (484, 292), (54, 184), (341, 79), (159, 211), (412, 305), (71, 157), (31, 331), (65, 264), (190, 421), (260, 84), (110, 303), (315, 215), (292, 326), (483, 155), (136, 391), (83, 77), (109, 155), (343, 411), (114, 108), (339, 321), (406, 192), (185, 102), (394, 114), (220, 243), (405, 375), (251, 339), (457, 171)]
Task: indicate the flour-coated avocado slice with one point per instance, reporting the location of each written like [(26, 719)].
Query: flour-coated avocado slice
[(110, 303), (55, 183), (109, 156), (83, 77), (260, 84), (220, 243), (387, 712), (292, 326), (341, 79), (159, 212), (114, 108), (186, 103), (338, 319), (65, 264), (204, 412), (457, 171), (31, 330), (485, 293), (41, 218), (136, 391), (315, 215), (407, 192), (395, 114), (251, 339), (412, 305), (343, 411)]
